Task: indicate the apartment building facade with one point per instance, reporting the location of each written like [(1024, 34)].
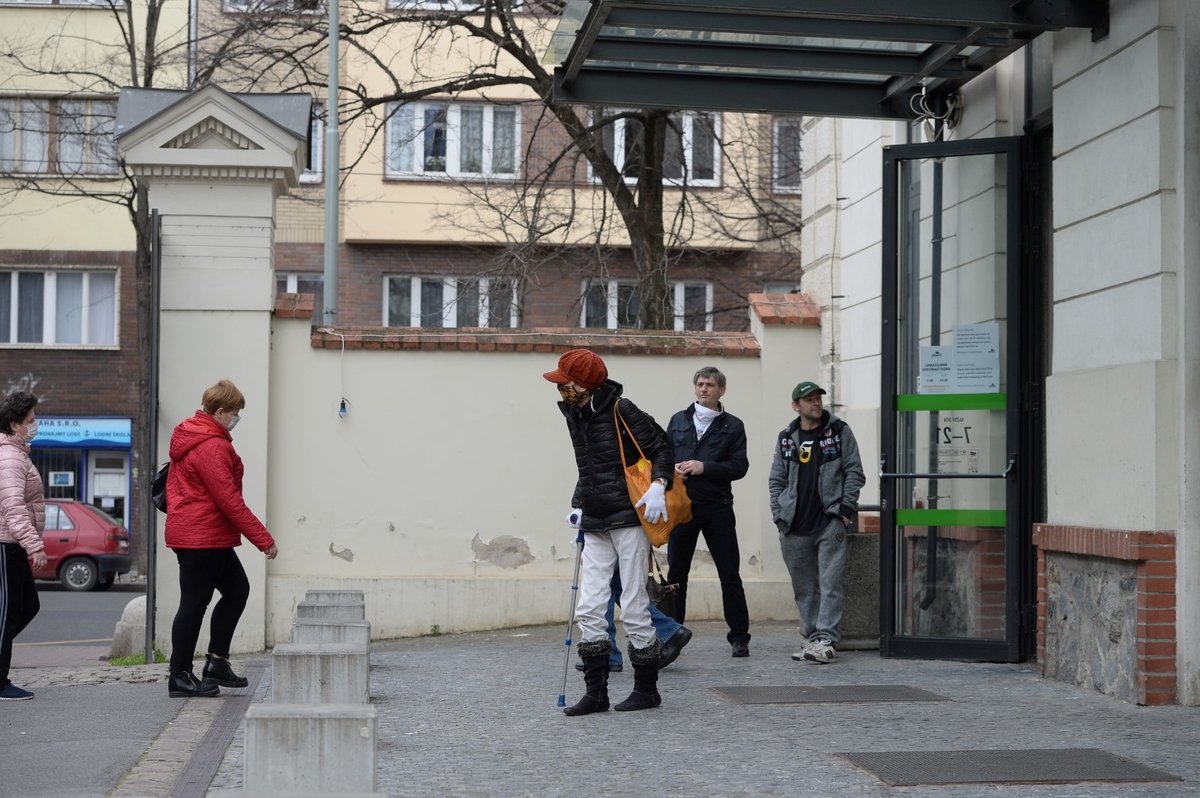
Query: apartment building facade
[(437, 209)]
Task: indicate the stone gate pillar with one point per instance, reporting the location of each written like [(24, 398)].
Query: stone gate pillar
[(213, 164)]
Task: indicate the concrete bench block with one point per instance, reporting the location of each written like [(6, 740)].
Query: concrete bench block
[(332, 610), (313, 630), (313, 748), (335, 596), (320, 673)]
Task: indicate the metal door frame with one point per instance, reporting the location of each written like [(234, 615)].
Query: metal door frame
[(892, 644)]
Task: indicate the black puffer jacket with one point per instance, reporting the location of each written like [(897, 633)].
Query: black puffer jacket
[(600, 491)]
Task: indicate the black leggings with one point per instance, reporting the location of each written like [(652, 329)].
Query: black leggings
[(201, 571), (19, 601)]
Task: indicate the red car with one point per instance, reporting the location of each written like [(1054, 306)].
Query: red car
[(85, 548)]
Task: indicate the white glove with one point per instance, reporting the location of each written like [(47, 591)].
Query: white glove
[(574, 518), (655, 501)]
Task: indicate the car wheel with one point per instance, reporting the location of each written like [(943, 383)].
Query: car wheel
[(78, 573)]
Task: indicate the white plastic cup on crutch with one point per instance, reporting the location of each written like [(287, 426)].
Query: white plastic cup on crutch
[(562, 695)]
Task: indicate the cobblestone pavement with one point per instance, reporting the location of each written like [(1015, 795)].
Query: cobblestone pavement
[(476, 715)]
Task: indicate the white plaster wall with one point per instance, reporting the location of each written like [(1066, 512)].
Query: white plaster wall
[(1114, 316), (442, 492)]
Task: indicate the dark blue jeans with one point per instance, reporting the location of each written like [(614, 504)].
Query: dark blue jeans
[(664, 625)]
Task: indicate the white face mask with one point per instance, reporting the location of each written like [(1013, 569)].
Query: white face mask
[(31, 430), (233, 422)]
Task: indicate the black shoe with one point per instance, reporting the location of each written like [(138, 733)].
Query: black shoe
[(741, 649), (184, 684), (218, 672), (674, 646)]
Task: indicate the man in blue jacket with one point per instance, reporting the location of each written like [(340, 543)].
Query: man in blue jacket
[(710, 453)]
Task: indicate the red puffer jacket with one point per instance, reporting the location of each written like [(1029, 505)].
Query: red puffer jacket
[(204, 490)]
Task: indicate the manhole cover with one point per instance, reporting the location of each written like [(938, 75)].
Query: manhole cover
[(1031, 766), (834, 694)]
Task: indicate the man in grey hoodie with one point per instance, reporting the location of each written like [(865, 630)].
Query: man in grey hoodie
[(816, 475)]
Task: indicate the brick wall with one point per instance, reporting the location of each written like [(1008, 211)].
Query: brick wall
[(1154, 555), (552, 290)]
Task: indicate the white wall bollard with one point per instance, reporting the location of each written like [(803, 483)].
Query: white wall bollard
[(309, 748)]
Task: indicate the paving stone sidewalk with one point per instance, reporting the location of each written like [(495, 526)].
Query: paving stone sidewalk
[(476, 715)]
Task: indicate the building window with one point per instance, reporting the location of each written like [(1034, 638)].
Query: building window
[(691, 152), (304, 283), (452, 139), (275, 6), (615, 304), (787, 152), (81, 130), (450, 302), (72, 308), (316, 149), (693, 305), (781, 287), (100, 3)]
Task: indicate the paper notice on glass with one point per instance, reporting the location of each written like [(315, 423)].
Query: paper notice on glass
[(976, 358), (937, 369)]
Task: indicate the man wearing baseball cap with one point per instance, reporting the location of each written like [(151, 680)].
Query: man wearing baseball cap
[(613, 531), (816, 475)]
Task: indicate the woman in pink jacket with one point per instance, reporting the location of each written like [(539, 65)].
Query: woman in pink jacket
[(22, 518), (206, 520)]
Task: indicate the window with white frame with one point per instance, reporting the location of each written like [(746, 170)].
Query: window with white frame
[(452, 139), (85, 137), (74, 308), (787, 151), (316, 148), (781, 287), (450, 302), (81, 130), (24, 136), (614, 304), (691, 152), (275, 6), (101, 3), (303, 283)]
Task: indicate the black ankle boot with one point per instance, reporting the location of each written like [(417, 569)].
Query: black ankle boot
[(217, 671), (645, 679), (595, 676), (184, 684)]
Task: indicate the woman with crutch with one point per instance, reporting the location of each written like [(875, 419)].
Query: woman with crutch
[(612, 530)]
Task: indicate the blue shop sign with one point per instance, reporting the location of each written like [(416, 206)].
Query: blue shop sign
[(60, 432)]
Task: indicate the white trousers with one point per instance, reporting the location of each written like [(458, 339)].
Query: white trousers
[(602, 551)]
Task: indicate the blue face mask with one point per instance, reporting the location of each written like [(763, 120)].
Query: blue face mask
[(233, 422), (31, 430)]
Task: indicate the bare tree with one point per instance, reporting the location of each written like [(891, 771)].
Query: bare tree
[(398, 56)]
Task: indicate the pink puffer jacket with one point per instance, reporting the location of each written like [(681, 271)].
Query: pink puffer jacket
[(22, 503)]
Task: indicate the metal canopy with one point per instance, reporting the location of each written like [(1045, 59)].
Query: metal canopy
[(861, 58)]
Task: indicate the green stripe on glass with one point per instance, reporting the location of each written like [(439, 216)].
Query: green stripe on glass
[(951, 401), (950, 518)]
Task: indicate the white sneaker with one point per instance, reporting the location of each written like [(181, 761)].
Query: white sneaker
[(822, 651), (800, 656)]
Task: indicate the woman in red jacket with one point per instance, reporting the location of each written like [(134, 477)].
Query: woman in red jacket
[(206, 520)]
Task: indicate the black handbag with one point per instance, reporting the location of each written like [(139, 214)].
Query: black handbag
[(158, 487), (662, 592)]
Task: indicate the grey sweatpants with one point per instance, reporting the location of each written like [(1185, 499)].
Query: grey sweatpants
[(817, 565)]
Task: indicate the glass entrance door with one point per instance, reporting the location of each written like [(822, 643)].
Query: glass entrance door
[(951, 555)]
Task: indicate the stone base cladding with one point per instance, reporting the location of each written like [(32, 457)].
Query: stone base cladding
[(1153, 554)]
